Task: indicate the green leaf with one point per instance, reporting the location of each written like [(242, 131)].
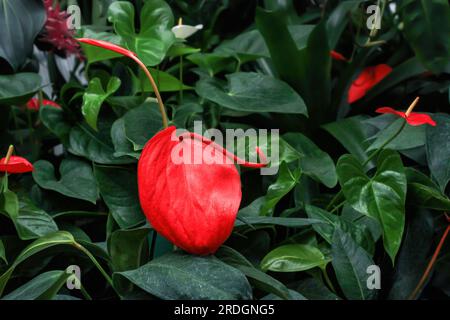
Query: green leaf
[(438, 149), (94, 97), (20, 23), (18, 88), (43, 287), (410, 137), (142, 123), (164, 81), (285, 182), (179, 275), (360, 234), (252, 92), (53, 119), (424, 193), (2, 252), (45, 242), (155, 36), (427, 29), (32, 222), (294, 258), (381, 197), (95, 146), (314, 163), (350, 263), (118, 187), (76, 179), (351, 134), (256, 277), (128, 248)]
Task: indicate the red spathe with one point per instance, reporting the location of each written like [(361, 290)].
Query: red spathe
[(192, 205)]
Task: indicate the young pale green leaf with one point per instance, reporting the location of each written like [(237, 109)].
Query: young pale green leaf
[(76, 179), (285, 182), (438, 149), (381, 197), (45, 286), (350, 262), (252, 92), (179, 275), (94, 97), (118, 188), (45, 242), (154, 37), (294, 258), (330, 222), (314, 162), (18, 88)]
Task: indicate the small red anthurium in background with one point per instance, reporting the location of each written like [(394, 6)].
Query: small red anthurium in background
[(34, 104), (412, 118), (194, 205), (367, 79), (14, 164)]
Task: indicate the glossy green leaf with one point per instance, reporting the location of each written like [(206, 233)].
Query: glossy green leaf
[(45, 286), (118, 188), (142, 123), (18, 88), (350, 262), (438, 149), (252, 92), (45, 242), (427, 29), (330, 222), (154, 37), (294, 258), (179, 275), (381, 197), (285, 182), (76, 179), (314, 162), (20, 23), (94, 97)]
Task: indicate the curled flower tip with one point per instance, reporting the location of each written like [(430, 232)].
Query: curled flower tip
[(411, 107), (9, 154)]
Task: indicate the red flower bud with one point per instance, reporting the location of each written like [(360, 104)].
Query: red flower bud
[(194, 205)]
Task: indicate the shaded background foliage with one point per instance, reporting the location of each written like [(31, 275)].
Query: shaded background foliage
[(311, 231)]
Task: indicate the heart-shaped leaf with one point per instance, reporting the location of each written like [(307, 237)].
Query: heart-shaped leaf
[(381, 197), (94, 97), (154, 37), (77, 179)]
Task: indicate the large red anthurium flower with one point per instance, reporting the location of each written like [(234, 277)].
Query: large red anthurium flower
[(15, 165), (34, 105), (367, 79), (194, 205), (413, 118)]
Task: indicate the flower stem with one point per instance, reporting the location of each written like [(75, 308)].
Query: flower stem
[(430, 265), (162, 110)]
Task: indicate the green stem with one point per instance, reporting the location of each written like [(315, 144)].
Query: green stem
[(384, 144), (95, 262)]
